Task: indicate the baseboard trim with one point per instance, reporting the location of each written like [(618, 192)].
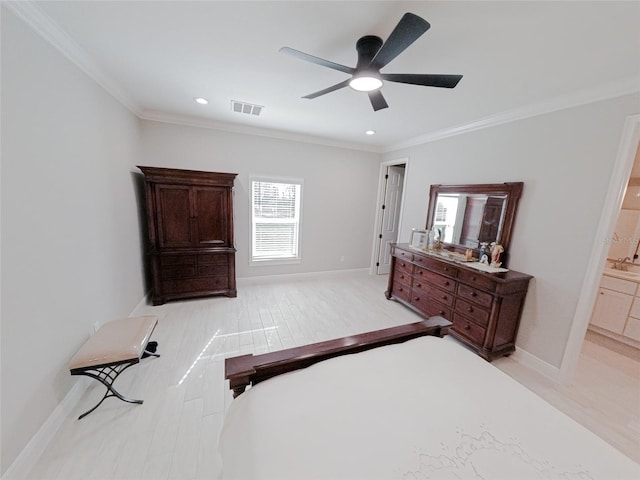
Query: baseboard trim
[(534, 363), (30, 454), (142, 303)]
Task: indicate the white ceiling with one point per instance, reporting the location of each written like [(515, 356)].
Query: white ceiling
[(158, 55)]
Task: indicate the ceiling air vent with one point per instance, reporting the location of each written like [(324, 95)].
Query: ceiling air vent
[(248, 108)]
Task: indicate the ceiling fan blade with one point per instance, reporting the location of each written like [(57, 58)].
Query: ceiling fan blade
[(427, 80), (409, 29), (333, 88), (317, 60), (377, 100)]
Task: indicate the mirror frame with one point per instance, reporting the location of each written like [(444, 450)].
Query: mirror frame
[(512, 191)]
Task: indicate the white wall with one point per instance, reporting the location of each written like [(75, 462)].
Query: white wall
[(565, 160), (71, 252), (339, 192)]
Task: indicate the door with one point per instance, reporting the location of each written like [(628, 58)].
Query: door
[(211, 207), (173, 203), (390, 216)]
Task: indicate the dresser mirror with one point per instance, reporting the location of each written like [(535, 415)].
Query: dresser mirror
[(464, 216)]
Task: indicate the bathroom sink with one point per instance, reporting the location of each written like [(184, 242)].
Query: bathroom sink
[(622, 274)]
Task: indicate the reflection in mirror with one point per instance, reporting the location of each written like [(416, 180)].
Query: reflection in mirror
[(469, 219), (465, 216)]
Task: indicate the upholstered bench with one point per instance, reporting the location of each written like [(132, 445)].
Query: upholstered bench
[(116, 346)]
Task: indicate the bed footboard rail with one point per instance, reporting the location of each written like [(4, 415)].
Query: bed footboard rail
[(251, 369)]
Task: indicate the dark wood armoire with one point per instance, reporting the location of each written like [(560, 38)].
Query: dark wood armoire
[(190, 233)]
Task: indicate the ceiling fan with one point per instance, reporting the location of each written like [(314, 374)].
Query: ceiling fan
[(373, 54)]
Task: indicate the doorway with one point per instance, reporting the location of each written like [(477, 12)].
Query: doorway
[(388, 219), (617, 187)]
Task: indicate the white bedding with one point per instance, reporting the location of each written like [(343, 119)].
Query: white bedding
[(424, 409)]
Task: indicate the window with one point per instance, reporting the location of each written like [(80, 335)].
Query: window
[(275, 220)]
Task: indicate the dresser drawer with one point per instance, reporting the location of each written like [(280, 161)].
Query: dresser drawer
[(402, 254), (468, 329), (425, 276), (436, 265), (403, 276), (428, 289), (473, 312), (429, 306), (401, 291), (476, 296), (477, 280)]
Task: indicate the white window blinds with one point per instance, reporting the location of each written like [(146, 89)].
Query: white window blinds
[(275, 220)]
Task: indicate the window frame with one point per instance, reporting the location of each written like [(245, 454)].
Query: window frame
[(274, 260)]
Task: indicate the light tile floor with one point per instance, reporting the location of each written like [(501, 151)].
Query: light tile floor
[(174, 434)]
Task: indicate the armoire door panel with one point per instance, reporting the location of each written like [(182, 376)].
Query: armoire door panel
[(174, 216), (212, 226)]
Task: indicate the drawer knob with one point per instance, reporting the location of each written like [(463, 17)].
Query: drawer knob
[(474, 294), (417, 299), (444, 297), (419, 285), (470, 309), (446, 283), (441, 312), (467, 327)]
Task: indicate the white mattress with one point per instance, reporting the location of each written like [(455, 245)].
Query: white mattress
[(424, 409)]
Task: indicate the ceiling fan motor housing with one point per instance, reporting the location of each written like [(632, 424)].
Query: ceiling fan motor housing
[(367, 47)]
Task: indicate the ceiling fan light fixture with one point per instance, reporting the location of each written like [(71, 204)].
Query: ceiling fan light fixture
[(365, 83)]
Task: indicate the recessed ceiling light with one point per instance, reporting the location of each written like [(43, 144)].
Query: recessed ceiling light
[(201, 101), (370, 132)]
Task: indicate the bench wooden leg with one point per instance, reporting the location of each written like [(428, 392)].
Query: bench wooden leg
[(107, 375)]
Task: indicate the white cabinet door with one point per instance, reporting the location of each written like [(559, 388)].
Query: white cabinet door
[(612, 309)]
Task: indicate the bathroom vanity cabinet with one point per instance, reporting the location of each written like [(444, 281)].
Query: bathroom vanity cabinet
[(617, 310), (485, 308)]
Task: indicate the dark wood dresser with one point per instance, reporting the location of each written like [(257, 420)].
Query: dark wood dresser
[(485, 308), (190, 233)]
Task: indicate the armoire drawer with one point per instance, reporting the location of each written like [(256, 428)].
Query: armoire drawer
[(178, 271), (213, 259), (199, 284)]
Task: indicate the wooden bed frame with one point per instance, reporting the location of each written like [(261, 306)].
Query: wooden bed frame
[(252, 369)]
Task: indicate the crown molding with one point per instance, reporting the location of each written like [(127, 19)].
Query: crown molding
[(625, 86), (50, 31), (189, 121), (29, 12)]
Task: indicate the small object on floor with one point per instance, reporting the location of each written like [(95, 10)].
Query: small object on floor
[(150, 349)]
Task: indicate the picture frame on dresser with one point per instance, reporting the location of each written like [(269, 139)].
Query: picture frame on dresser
[(485, 305)]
